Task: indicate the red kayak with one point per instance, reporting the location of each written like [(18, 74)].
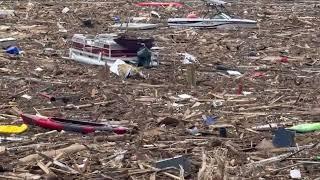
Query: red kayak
[(59, 124), (159, 4)]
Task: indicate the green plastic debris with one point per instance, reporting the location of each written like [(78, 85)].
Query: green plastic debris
[(144, 57), (188, 4), (303, 128), (317, 158)]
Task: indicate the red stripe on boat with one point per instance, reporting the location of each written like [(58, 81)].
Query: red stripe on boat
[(157, 4)]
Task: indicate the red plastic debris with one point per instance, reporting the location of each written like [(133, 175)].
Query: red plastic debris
[(192, 15), (240, 88), (120, 130), (258, 74), (284, 59), (157, 4)]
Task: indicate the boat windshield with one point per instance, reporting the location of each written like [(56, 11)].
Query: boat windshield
[(221, 16)]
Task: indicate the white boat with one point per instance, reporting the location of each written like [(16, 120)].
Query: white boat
[(220, 20), (96, 59), (106, 48), (135, 26)]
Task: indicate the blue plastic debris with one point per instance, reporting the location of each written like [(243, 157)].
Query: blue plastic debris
[(223, 132), (13, 50), (283, 138), (117, 19), (209, 120)]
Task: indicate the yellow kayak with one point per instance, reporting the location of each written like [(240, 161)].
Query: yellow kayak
[(13, 129)]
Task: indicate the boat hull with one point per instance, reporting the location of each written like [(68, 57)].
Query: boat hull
[(135, 26), (105, 49), (160, 4), (69, 125), (211, 23), (96, 59)]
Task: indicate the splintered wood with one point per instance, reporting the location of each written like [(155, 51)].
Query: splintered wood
[(221, 112), (191, 75)]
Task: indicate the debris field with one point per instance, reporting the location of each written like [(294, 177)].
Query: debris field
[(223, 123)]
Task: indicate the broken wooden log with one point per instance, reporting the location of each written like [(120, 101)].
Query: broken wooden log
[(70, 149)]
